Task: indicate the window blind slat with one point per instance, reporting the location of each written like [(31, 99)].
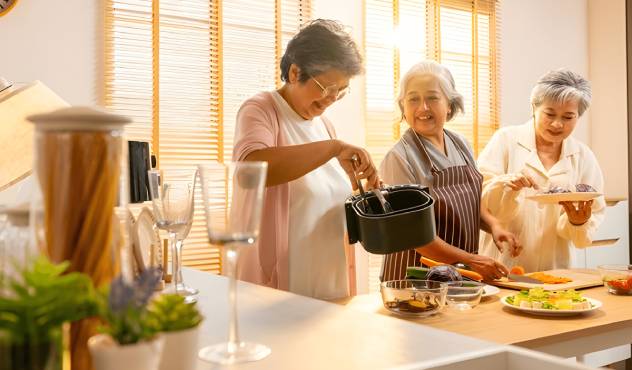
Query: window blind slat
[(196, 98)]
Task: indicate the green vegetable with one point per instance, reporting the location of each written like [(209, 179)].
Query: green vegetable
[(556, 300), (414, 272), (171, 313)]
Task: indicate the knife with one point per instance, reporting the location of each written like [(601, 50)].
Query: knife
[(523, 279)]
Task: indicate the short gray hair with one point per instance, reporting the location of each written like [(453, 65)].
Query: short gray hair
[(446, 82), (561, 86), (319, 46)]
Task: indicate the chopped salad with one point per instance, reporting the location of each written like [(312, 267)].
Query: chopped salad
[(538, 298)]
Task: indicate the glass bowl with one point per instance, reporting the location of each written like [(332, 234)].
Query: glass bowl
[(617, 278), (417, 298), (464, 295)]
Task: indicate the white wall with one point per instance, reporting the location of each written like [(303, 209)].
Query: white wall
[(348, 113), (539, 36), (59, 45), (56, 44), (608, 112)]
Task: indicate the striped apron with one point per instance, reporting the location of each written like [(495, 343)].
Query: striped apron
[(457, 198)]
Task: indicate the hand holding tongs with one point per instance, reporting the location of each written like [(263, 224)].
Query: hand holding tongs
[(354, 165), (386, 206)]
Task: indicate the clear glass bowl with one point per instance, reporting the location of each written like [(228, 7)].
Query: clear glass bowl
[(617, 278), (464, 295), (416, 298)]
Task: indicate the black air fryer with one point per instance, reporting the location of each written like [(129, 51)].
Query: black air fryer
[(410, 224)]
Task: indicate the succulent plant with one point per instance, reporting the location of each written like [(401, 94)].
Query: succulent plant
[(171, 312), (125, 310)]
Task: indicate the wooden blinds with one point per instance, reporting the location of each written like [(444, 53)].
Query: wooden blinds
[(182, 69)]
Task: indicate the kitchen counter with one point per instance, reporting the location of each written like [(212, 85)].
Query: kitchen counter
[(606, 327), (306, 333)]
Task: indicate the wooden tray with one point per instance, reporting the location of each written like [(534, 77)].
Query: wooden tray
[(580, 280)]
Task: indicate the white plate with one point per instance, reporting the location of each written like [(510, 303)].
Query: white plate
[(146, 240), (489, 290), (563, 197), (544, 312)]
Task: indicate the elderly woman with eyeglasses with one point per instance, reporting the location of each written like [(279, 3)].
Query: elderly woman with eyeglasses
[(431, 155), (301, 245), (541, 156)]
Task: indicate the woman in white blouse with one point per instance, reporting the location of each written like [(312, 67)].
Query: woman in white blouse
[(522, 160)]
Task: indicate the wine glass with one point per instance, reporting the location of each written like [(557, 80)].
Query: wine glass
[(172, 198), (233, 201)]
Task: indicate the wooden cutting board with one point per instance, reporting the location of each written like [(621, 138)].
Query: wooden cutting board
[(581, 279)]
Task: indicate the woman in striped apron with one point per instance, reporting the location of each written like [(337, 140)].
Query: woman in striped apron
[(429, 155)]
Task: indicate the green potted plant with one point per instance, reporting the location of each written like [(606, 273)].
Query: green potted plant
[(130, 338), (179, 323), (33, 306)]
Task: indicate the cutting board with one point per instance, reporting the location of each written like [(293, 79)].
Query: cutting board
[(580, 280)]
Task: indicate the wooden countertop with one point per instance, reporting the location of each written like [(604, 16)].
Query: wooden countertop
[(306, 333), (491, 321)]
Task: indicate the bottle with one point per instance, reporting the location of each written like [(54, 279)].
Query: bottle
[(80, 211)]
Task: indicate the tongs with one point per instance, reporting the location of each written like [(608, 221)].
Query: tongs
[(386, 206), (354, 165)]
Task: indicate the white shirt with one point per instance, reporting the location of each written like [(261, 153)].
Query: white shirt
[(544, 230), (317, 218)]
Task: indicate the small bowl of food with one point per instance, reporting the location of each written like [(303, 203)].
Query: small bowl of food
[(617, 278), (416, 298), (464, 295)]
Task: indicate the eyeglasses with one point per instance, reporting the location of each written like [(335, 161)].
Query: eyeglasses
[(332, 90)]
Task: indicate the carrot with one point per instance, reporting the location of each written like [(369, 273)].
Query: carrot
[(517, 270), (467, 273)]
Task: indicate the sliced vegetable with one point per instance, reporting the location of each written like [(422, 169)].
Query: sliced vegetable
[(473, 275)]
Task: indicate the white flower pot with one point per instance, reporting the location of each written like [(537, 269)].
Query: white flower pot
[(109, 355), (180, 350)]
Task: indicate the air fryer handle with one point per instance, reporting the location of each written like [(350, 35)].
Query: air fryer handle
[(352, 222)]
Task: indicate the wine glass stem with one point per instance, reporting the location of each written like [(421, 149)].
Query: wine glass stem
[(175, 261), (178, 275), (231, 270)]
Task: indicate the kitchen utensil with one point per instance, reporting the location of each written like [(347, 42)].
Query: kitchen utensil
[(594, 305), (386, 206), (618, 278), (410, 225), (417, 298), (580, 279), (523, 279), (365, 204), (464, 295), (563, 197)]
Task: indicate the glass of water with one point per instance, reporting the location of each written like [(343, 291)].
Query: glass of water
[(233, 200), (172, 198)]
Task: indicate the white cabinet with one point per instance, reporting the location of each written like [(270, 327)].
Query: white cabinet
[(614, 226)]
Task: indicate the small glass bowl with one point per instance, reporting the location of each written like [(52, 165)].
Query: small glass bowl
[(417, 298), (617, 278), (464, 295)]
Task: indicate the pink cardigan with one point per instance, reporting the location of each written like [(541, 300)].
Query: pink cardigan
[(258, 128)]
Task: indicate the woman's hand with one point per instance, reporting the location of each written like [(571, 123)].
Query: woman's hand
[(578, 215), (365, 169), (488, 267), (519, 181), (503, 237)]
